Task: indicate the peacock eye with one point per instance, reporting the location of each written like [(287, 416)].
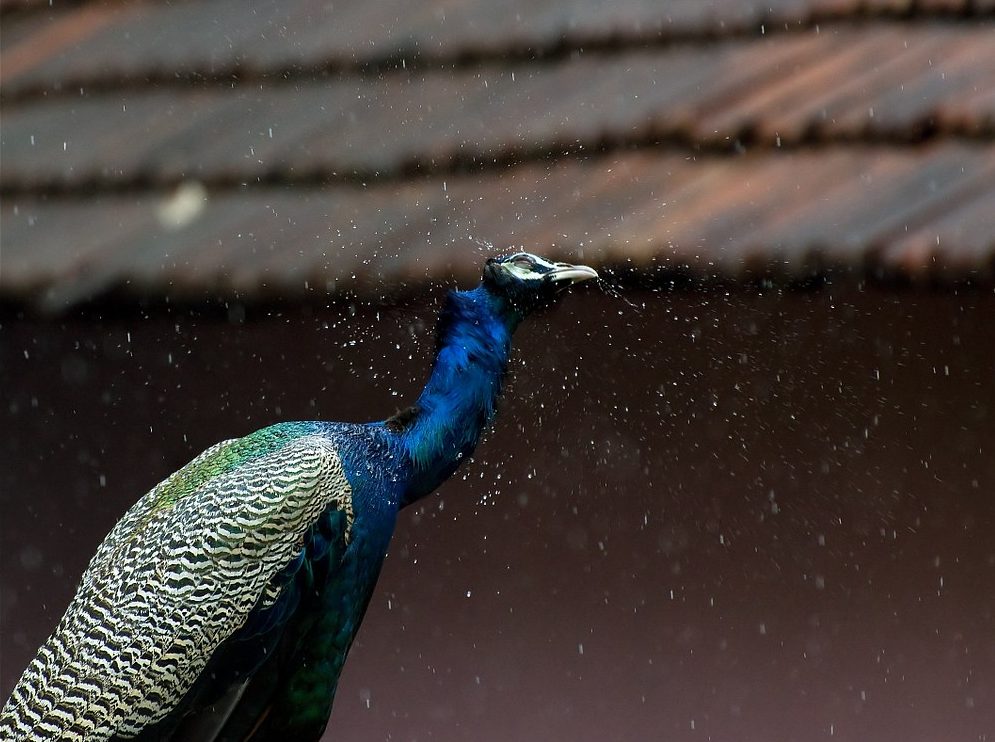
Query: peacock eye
[(523, 263)]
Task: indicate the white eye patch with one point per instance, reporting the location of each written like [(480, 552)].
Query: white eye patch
[(527, 267), (522, 271)]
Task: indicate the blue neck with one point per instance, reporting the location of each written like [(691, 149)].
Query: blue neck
[(444, 426)]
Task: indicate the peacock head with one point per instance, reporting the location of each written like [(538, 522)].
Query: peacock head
[(528, 282)]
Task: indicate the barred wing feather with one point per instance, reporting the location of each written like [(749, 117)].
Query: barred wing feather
[(178, 575)]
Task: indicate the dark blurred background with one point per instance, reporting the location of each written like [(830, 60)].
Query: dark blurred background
[(753, 516), (742, 493)]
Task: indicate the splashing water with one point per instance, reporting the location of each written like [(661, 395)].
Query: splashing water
[(614, 291)]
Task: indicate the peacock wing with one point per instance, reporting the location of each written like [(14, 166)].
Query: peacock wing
[(179, 574)]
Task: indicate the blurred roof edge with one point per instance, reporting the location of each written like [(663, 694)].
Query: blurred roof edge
[(372, 150)]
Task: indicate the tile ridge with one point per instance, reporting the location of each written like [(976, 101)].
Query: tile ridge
[(555, 50)]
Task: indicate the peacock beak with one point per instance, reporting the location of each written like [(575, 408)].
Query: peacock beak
[(564, 274)]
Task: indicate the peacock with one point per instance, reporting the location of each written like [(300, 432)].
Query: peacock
[(223, 604)]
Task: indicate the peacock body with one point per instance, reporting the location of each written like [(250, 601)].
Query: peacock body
[(223, 604)]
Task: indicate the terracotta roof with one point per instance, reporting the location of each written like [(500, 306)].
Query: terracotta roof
[(197, 148)]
